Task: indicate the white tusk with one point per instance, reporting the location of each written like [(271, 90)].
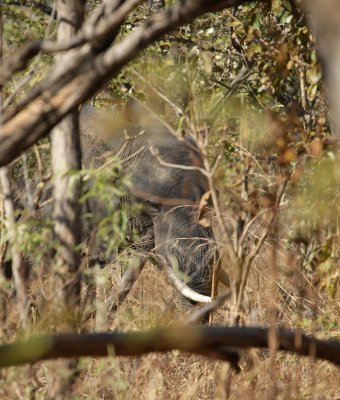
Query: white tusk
[(185, 290)]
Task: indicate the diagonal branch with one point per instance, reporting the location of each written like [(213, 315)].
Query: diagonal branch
[(102, 27), (79, 75)]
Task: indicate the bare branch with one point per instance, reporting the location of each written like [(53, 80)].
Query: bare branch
[(80, 74), (99, 27), (18, 60), (156, 154), (248, 262), (209, 341)]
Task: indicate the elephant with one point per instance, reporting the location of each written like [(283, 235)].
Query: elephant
[(166, 178)]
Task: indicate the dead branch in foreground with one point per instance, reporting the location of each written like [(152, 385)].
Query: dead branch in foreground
[(213, 342)]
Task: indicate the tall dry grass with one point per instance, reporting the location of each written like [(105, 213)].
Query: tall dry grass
[(176, 375)]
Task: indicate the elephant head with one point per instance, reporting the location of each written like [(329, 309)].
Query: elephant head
[(166, 176)]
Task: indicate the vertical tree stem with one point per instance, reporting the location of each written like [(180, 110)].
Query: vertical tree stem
[(18, 266), (66, 157)]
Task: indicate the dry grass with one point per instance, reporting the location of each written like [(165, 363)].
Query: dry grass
[(183, 376)]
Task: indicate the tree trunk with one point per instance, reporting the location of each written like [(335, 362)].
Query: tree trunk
[(66, 157), (18, 265), (325, 26)]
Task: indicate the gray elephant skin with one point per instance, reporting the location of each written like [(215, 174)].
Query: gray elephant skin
[(165, 177)]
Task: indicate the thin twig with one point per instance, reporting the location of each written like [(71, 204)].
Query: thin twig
[(246, 266)]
